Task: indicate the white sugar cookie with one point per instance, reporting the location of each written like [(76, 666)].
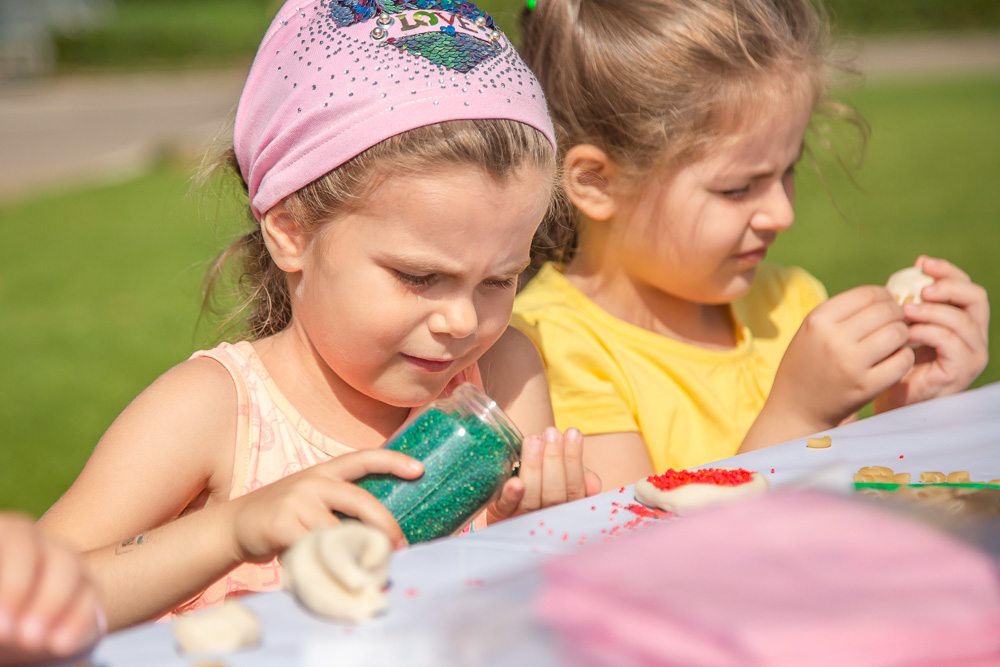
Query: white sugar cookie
[(224, 629), (339, 572), (693, 496), (906, 284)]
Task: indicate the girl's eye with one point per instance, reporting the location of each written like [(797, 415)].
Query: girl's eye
[(737, 193), (505, 283), (413, 280)]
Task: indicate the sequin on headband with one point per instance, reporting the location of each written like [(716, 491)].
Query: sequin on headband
[(334, 77)]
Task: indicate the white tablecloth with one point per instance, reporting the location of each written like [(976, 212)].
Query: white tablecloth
[(435, 586)]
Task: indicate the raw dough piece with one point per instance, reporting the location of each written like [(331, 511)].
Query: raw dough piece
[(224, 629), (696, 495), (339, 572), (906, 284)]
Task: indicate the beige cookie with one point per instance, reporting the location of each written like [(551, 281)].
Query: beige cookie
[(906, 284), (224, 629), (339, 572), (695, 496)]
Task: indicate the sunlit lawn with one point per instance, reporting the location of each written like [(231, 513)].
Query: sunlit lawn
[(99, 287)]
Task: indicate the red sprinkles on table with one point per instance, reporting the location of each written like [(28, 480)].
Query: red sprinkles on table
[(672, 479), (647, 512)]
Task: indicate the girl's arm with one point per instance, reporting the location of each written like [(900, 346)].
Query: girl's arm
[(847, 351), (171, 448), (552, 470), (159, 569), (171, 453)]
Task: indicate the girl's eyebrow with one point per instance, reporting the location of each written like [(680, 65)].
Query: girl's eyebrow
[(428, 265)]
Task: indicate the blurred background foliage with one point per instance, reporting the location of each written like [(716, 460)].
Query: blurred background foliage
[(100, 285), (199, 33)]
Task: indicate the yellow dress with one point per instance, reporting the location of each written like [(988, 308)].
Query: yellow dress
[(691, 405)]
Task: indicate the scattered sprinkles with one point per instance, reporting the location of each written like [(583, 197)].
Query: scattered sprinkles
[(671, 479), (648, 512)]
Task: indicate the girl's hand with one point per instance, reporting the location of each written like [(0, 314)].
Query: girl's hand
[(951, 328), (271, 519), (847, 351), (551, 473), (48, 606)]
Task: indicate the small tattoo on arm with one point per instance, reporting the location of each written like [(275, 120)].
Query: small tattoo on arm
[(131, 543)]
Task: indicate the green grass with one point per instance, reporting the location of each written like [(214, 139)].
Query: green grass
[(100, 290), (100, 286), (150, 34), (928, 185), (146, 34)]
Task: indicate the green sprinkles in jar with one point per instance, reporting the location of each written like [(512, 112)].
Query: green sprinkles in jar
[(468, 448)]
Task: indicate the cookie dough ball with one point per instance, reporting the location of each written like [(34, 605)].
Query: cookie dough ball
[(906, 284), (339, 572), (686, 491), (224, 629)]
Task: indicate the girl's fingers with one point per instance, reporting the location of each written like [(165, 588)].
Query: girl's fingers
[(354, 501), (530, 472), (944, 316), (553, 468), (961, 295), (509, 501), (576, 486), (948, 345), (872, 316), (891, 370), (355, 465), (845, 305), (58, 579), (941, 269), (592, 482), (20, 560), (78, 627), (880, 343)]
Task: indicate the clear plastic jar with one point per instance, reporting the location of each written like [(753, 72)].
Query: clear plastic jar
[(469, 448)]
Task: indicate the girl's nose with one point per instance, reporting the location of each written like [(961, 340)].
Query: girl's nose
[(777, 212), (455, 317)]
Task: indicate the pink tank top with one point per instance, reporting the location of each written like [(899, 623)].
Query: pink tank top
[(272, 441)]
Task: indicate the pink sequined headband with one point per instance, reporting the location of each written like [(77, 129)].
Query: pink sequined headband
[(335, 77)]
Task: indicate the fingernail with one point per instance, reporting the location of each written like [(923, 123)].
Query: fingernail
[(551, 433), (32, 632), (102, 620), (6, 627), (416, 466), (402, 544), (63, 642), (535, 444)]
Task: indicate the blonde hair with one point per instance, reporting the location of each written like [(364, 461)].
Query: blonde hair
[(656, 83), (499, 147)]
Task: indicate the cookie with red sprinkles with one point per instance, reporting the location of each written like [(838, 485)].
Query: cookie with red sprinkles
[(685, 491)]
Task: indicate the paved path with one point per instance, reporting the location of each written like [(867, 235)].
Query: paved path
[(67, 130), (61, 131)]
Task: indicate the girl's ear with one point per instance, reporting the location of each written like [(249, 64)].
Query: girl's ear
[(284, 237), (587, 174)]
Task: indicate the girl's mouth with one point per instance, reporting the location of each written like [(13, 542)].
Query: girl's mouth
[(429, 365)]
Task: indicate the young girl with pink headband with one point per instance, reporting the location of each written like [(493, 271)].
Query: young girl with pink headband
[(397, 158)]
